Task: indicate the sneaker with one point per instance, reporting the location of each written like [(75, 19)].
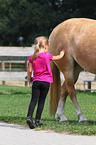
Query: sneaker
[(38, 123), (30, 123)]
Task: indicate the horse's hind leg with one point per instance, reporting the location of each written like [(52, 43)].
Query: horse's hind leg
[(72, 94), (68, 88), (60, 109), (80, 115)]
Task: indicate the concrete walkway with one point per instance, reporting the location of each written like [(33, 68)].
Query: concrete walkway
[(18, 135)]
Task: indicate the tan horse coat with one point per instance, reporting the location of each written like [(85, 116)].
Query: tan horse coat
[(77, 37)]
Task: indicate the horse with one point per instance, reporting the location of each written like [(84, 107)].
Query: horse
[(77, 37)]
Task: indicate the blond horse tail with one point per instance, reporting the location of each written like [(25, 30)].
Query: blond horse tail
[(54, 93)]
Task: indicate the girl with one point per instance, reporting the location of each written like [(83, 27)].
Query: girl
[(42, 77)]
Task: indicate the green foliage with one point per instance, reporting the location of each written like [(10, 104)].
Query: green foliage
[(14, 102), (32, 18), (11, 15)]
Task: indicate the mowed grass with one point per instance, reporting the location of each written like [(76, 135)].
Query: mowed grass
[(14, 103)]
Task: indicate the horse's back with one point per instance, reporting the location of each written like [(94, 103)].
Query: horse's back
[(78, 38), (83, 41)]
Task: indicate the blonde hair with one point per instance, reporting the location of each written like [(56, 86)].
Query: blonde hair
[(39, 42)]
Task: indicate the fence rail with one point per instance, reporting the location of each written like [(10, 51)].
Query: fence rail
[(14, 58), (20, 55), (13, 55)]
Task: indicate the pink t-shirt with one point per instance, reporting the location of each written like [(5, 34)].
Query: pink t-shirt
[(41, 67)]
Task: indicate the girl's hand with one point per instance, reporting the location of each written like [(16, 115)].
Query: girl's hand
[(58, 56), (62, 53)]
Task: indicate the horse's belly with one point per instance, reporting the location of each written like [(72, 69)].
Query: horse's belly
[(87, 62), (91, 67)]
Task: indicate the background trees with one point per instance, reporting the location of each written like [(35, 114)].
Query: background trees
[(23, 20)]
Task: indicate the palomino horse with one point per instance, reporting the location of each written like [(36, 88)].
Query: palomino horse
[(77, 37)]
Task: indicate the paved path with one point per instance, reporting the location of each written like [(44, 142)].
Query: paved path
[(18, 135)]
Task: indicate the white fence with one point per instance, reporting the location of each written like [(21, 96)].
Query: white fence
[(14, 55)]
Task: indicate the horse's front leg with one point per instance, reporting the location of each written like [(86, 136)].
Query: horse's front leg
[(60, 109), (72, 94)]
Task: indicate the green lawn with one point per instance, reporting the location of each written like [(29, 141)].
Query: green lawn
[(14, 103)]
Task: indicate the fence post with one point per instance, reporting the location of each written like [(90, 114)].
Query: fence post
[(89, 85), (26, 68), (95, 77), (3, 68)]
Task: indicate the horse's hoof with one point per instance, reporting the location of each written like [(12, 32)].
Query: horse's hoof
[(83, 122), (63, 119)]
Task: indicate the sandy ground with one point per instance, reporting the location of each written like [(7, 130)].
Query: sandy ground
[(14, 83), (78, 85)]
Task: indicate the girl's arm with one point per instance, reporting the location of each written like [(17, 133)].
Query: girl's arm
[(57, 57), (29, 72)]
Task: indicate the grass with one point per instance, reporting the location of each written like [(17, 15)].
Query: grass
[(14, 103)]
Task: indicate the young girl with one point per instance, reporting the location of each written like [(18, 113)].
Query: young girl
[(42, 77)]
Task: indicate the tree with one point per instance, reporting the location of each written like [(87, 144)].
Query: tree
[(11, 15), (28, 19), (25, 18)]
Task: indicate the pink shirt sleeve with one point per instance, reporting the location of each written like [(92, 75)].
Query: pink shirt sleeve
[(50, 56)]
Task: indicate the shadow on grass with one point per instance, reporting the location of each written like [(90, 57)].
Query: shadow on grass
[(22, 121), (71, 122), (88, 92), (14, 93), (15, 120), (80, 91), (19, 119), (88, 123)]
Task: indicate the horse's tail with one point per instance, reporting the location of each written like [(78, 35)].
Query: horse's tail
[(54, 93)]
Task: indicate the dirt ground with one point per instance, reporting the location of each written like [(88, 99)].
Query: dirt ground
[(78, 85), (14, 83)]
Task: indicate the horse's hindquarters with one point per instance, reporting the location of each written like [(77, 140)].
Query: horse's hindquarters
[(86, 58)]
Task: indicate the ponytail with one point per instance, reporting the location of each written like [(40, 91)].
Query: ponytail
[(40, 42), (36, 53)]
